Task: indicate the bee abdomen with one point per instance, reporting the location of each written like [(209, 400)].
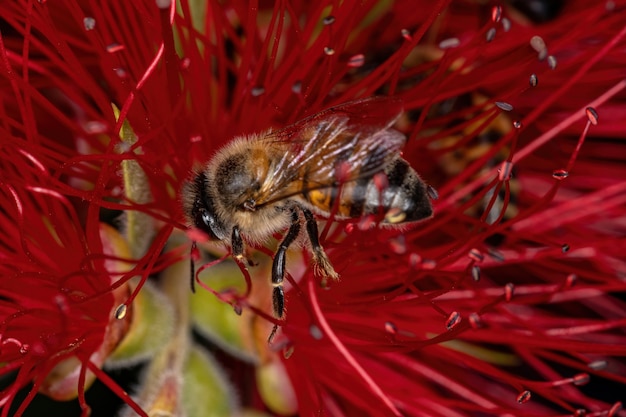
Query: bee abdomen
[(403, 199)]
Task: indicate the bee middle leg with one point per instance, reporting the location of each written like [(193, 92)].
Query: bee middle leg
[(322, 264), (278, 266)]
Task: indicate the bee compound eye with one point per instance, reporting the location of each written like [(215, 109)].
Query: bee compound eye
[(206, 219), (206, 222)]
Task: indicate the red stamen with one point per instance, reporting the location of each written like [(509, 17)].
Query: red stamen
[(112, 385), (327, 331)]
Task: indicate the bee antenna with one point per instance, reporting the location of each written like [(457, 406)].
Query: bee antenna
[(270, 339), (192, 265)]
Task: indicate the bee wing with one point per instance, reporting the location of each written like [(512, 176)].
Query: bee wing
[(369, 114), (340, 144)]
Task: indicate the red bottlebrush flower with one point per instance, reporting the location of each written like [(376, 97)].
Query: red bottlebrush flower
[(507, 302), (57, 303)]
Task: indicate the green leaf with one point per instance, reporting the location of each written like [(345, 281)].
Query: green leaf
[(275, 388), (152, 325), (206, 390), (216, 319)]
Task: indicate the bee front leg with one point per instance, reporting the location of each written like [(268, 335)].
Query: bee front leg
[(322, 264), (278, 266), (236, 244), (192, 266)]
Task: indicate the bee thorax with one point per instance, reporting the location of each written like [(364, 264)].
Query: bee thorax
[(235, 183)]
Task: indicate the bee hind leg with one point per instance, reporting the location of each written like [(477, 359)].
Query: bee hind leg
[(278, 266), (322, 264)]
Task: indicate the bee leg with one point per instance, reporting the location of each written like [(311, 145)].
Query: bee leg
[(192, 266), (278, 266), (236, 244), (322, 264)]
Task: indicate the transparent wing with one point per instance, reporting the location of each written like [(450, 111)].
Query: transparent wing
[(340, 144)]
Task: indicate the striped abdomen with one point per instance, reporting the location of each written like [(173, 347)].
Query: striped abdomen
[(402, 199)]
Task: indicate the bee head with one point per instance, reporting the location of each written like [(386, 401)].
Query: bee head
[(201, 212)]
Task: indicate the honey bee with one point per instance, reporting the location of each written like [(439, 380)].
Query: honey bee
[(323, 165)]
